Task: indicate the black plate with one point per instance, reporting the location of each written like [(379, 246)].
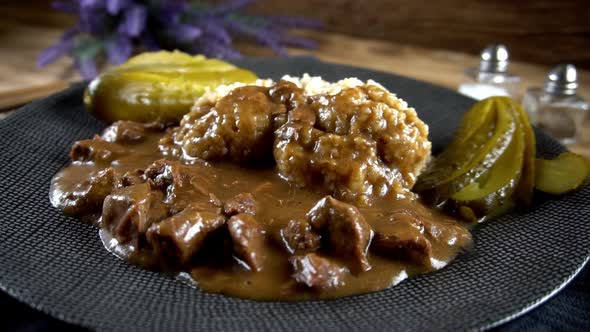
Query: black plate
[(58, 265)]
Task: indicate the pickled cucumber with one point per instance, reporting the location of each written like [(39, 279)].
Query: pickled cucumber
[(472, 152), (489, 167), (462, 182), (566, 173), (160, 86), (525, 188), (495, 188)]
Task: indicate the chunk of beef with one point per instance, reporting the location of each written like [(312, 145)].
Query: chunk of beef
[(132, 178), (182, 184), (130, 131), (239, 127), (303, 114), (128, 212), (317, 272), (88, 196), (240, 203), (165, 173), (213, 199), (348, 234), (96, 150), (124, 132), (448, 233), (288, 94), (181, 236), (248, 240), (168, 147), (298, 237), (402, 236)]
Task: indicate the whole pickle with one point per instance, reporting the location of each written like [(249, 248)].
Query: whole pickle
[(159, 86)]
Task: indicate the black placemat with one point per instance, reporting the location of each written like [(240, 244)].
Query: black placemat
[(569, 310), (57, 264)]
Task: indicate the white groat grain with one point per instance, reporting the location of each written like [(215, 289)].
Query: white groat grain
[(315, 85), (312, 85), (390, 141), (211, 96)]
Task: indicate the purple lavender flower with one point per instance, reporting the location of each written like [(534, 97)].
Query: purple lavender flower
[(215, 30), (218, 50), (63, 46), (171, 12), (91, 3), (134, 21), (115, 6), (116, 28), (185, 32), (229, 6), (119, 49), (87, 67), (54, 52)]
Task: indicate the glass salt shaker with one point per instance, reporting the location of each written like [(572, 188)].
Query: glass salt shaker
[(491, 78), (556, 108)]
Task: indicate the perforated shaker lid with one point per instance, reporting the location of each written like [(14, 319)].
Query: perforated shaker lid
[(494, 59), (562, 79)]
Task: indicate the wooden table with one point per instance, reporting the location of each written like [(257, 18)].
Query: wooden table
[(23, 34)]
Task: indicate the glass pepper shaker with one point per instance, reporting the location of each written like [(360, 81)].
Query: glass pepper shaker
[(491, 78), (556, 108)]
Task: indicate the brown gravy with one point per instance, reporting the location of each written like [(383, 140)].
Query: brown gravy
[(278, 202)]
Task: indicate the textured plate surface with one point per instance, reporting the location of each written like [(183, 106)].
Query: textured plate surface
[(59, 266)]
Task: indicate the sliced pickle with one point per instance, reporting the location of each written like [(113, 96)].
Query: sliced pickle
[(475, 129), (472, 121), (159, 86), (495, 188), (466, 213), (524, 190), (488, 184), (466, 159), (566, 173)]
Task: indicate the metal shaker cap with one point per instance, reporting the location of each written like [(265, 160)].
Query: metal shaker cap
[(562, 80), (494, 59)]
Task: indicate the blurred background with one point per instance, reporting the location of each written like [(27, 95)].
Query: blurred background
[(538, 31), (434, 41)]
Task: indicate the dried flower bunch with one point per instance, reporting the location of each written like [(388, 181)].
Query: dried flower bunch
[(117, 28)]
